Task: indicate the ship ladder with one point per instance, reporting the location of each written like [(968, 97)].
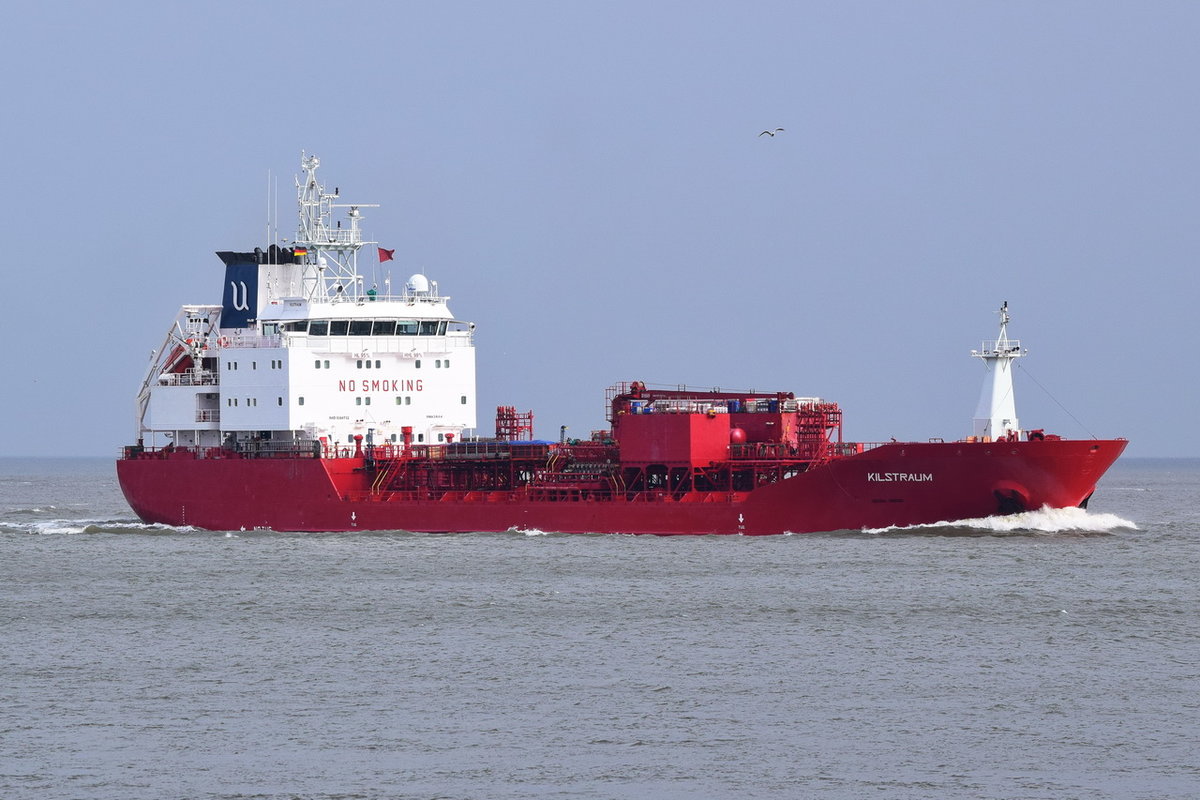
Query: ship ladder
[(382, 475)]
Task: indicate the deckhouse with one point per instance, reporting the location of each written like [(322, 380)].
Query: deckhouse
[(301, 353)]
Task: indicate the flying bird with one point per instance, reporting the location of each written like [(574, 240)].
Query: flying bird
[(771, 133)]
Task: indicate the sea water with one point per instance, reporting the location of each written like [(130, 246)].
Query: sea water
[(1050, 655)]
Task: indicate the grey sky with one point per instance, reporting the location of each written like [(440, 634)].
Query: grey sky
[(588, 183)]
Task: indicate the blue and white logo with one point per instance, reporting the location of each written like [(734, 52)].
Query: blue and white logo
[(240, 299)]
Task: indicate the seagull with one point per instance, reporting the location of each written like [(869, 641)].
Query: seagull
[(771, 133)]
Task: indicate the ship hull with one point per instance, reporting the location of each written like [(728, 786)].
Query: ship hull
[(897, 484)]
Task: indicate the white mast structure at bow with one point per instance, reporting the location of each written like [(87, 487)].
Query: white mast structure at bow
[(996, 414)]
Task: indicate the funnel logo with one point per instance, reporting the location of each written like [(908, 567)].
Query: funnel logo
[(239, 305)]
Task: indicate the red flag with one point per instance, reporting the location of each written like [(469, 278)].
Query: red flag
[(385, 255)]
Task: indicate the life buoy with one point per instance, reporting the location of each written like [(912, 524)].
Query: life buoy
[(223, 341)]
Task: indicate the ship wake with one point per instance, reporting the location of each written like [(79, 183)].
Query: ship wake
[(1044, 521), (82, 526)]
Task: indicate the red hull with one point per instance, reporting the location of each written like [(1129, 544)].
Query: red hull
[(894, 484)]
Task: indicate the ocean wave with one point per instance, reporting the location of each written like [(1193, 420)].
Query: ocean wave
[(51, 527), (529, 531), (1045, 520)]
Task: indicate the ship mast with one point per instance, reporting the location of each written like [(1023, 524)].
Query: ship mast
[(996, 414), (331, 261)]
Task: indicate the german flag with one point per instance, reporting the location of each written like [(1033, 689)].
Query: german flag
[(299, 251)]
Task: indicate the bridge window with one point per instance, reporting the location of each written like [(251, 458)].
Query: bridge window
[(383, 327), (298, 327), (406, 328), (318, 327), (338, 327), (360, 327)]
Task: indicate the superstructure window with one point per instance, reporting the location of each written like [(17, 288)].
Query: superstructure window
[(429, 328), (406, 328), (297, 327), (338, 327), (360, 327), (318, 327), (417, 364), (383, 327)]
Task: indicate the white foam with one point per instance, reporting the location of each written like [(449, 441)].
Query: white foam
[(1044, 520), (77, 526), (528, 531)]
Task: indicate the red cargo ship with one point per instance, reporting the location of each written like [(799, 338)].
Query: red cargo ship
[(306, 402)]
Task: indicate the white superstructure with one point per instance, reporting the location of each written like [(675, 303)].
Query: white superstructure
[(996, 415), (300, 351)]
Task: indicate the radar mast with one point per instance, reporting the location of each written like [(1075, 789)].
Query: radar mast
[(327, 251)]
